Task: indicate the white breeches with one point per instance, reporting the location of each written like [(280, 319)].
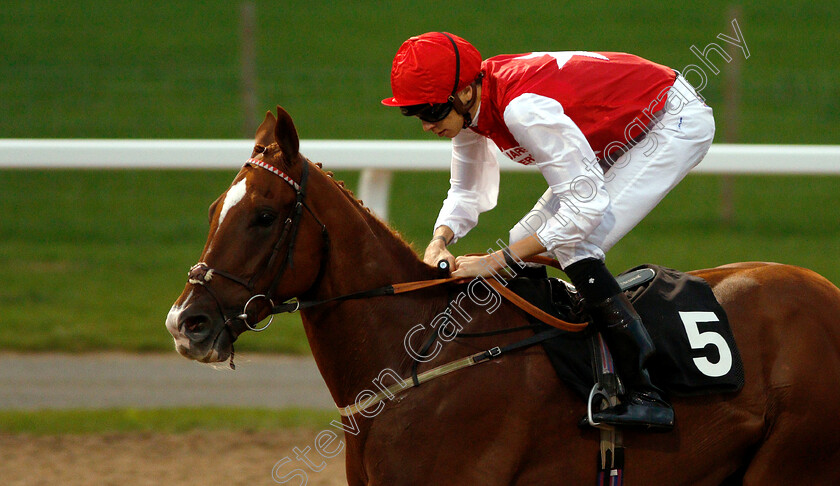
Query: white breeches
[(637, 181)]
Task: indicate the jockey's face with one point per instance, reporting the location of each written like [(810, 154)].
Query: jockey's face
[(454, 122), (448, 127)]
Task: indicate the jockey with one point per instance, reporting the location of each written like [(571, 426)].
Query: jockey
[(611, 133)]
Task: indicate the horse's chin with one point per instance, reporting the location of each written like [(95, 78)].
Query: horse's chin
[(217, 351)]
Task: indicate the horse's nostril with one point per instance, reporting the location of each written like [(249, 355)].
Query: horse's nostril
[(194, 323), (196, 327)]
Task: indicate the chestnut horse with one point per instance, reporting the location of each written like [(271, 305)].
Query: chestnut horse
[(287, 229)]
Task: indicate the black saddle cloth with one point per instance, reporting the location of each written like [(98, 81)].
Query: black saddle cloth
[(695, 353)]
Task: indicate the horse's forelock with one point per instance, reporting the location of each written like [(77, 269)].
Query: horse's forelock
[(273, 155)]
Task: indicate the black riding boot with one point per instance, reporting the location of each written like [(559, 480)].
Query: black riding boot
[(642, 404), (622, 329)]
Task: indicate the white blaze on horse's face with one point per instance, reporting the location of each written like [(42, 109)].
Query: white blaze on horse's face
[(181, 340), (233, 197)]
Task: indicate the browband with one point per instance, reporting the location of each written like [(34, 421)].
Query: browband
[(275, 171)]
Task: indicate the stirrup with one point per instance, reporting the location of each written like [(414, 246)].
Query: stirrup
[(600, 392)]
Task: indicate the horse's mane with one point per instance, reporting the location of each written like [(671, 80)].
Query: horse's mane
[(369, 216), (371, 219)]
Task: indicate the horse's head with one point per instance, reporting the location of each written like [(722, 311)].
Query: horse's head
[(265, 245)]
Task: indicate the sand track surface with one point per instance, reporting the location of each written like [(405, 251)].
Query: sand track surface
[(201, 457)]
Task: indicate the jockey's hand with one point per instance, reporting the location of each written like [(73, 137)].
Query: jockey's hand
[(476, 266), (436, 251)]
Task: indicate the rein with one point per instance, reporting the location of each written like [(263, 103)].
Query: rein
[(393, 289), (402, 288), (202, 274)]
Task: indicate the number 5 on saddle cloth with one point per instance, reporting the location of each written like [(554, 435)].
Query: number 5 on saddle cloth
[(695, 353)]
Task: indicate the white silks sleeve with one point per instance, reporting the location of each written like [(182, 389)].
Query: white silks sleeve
[(568, 163), (473, 183)]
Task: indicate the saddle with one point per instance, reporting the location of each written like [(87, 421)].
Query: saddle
[(696, 353)]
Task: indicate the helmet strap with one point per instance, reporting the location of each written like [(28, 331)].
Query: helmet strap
[(464, 109), (460, 108)]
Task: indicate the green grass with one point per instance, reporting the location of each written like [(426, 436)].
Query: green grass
[(172, 69), (92, 260), (176, 420)]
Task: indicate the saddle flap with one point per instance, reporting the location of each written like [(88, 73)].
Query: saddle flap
[(695, 348), (696, 351)]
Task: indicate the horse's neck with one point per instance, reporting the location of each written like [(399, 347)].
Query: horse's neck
[(355, 340), (366, 252)]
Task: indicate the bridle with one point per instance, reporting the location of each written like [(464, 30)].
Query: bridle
[(202, 274)]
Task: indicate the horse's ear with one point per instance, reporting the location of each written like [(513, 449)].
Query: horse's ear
[(285, 134), (265, 133)]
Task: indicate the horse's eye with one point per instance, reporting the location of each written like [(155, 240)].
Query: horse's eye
[(265, 218)]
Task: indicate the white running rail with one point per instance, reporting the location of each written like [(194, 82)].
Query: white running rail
[(376, 159)]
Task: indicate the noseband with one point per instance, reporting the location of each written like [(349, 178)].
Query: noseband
[(202, 274)]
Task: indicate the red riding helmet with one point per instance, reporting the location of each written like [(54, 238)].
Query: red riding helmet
[(426, 66)]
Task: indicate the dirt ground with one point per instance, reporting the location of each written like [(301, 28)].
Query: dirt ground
[(224, 458)]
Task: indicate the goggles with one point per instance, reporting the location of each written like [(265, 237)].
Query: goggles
[(428, 112)]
